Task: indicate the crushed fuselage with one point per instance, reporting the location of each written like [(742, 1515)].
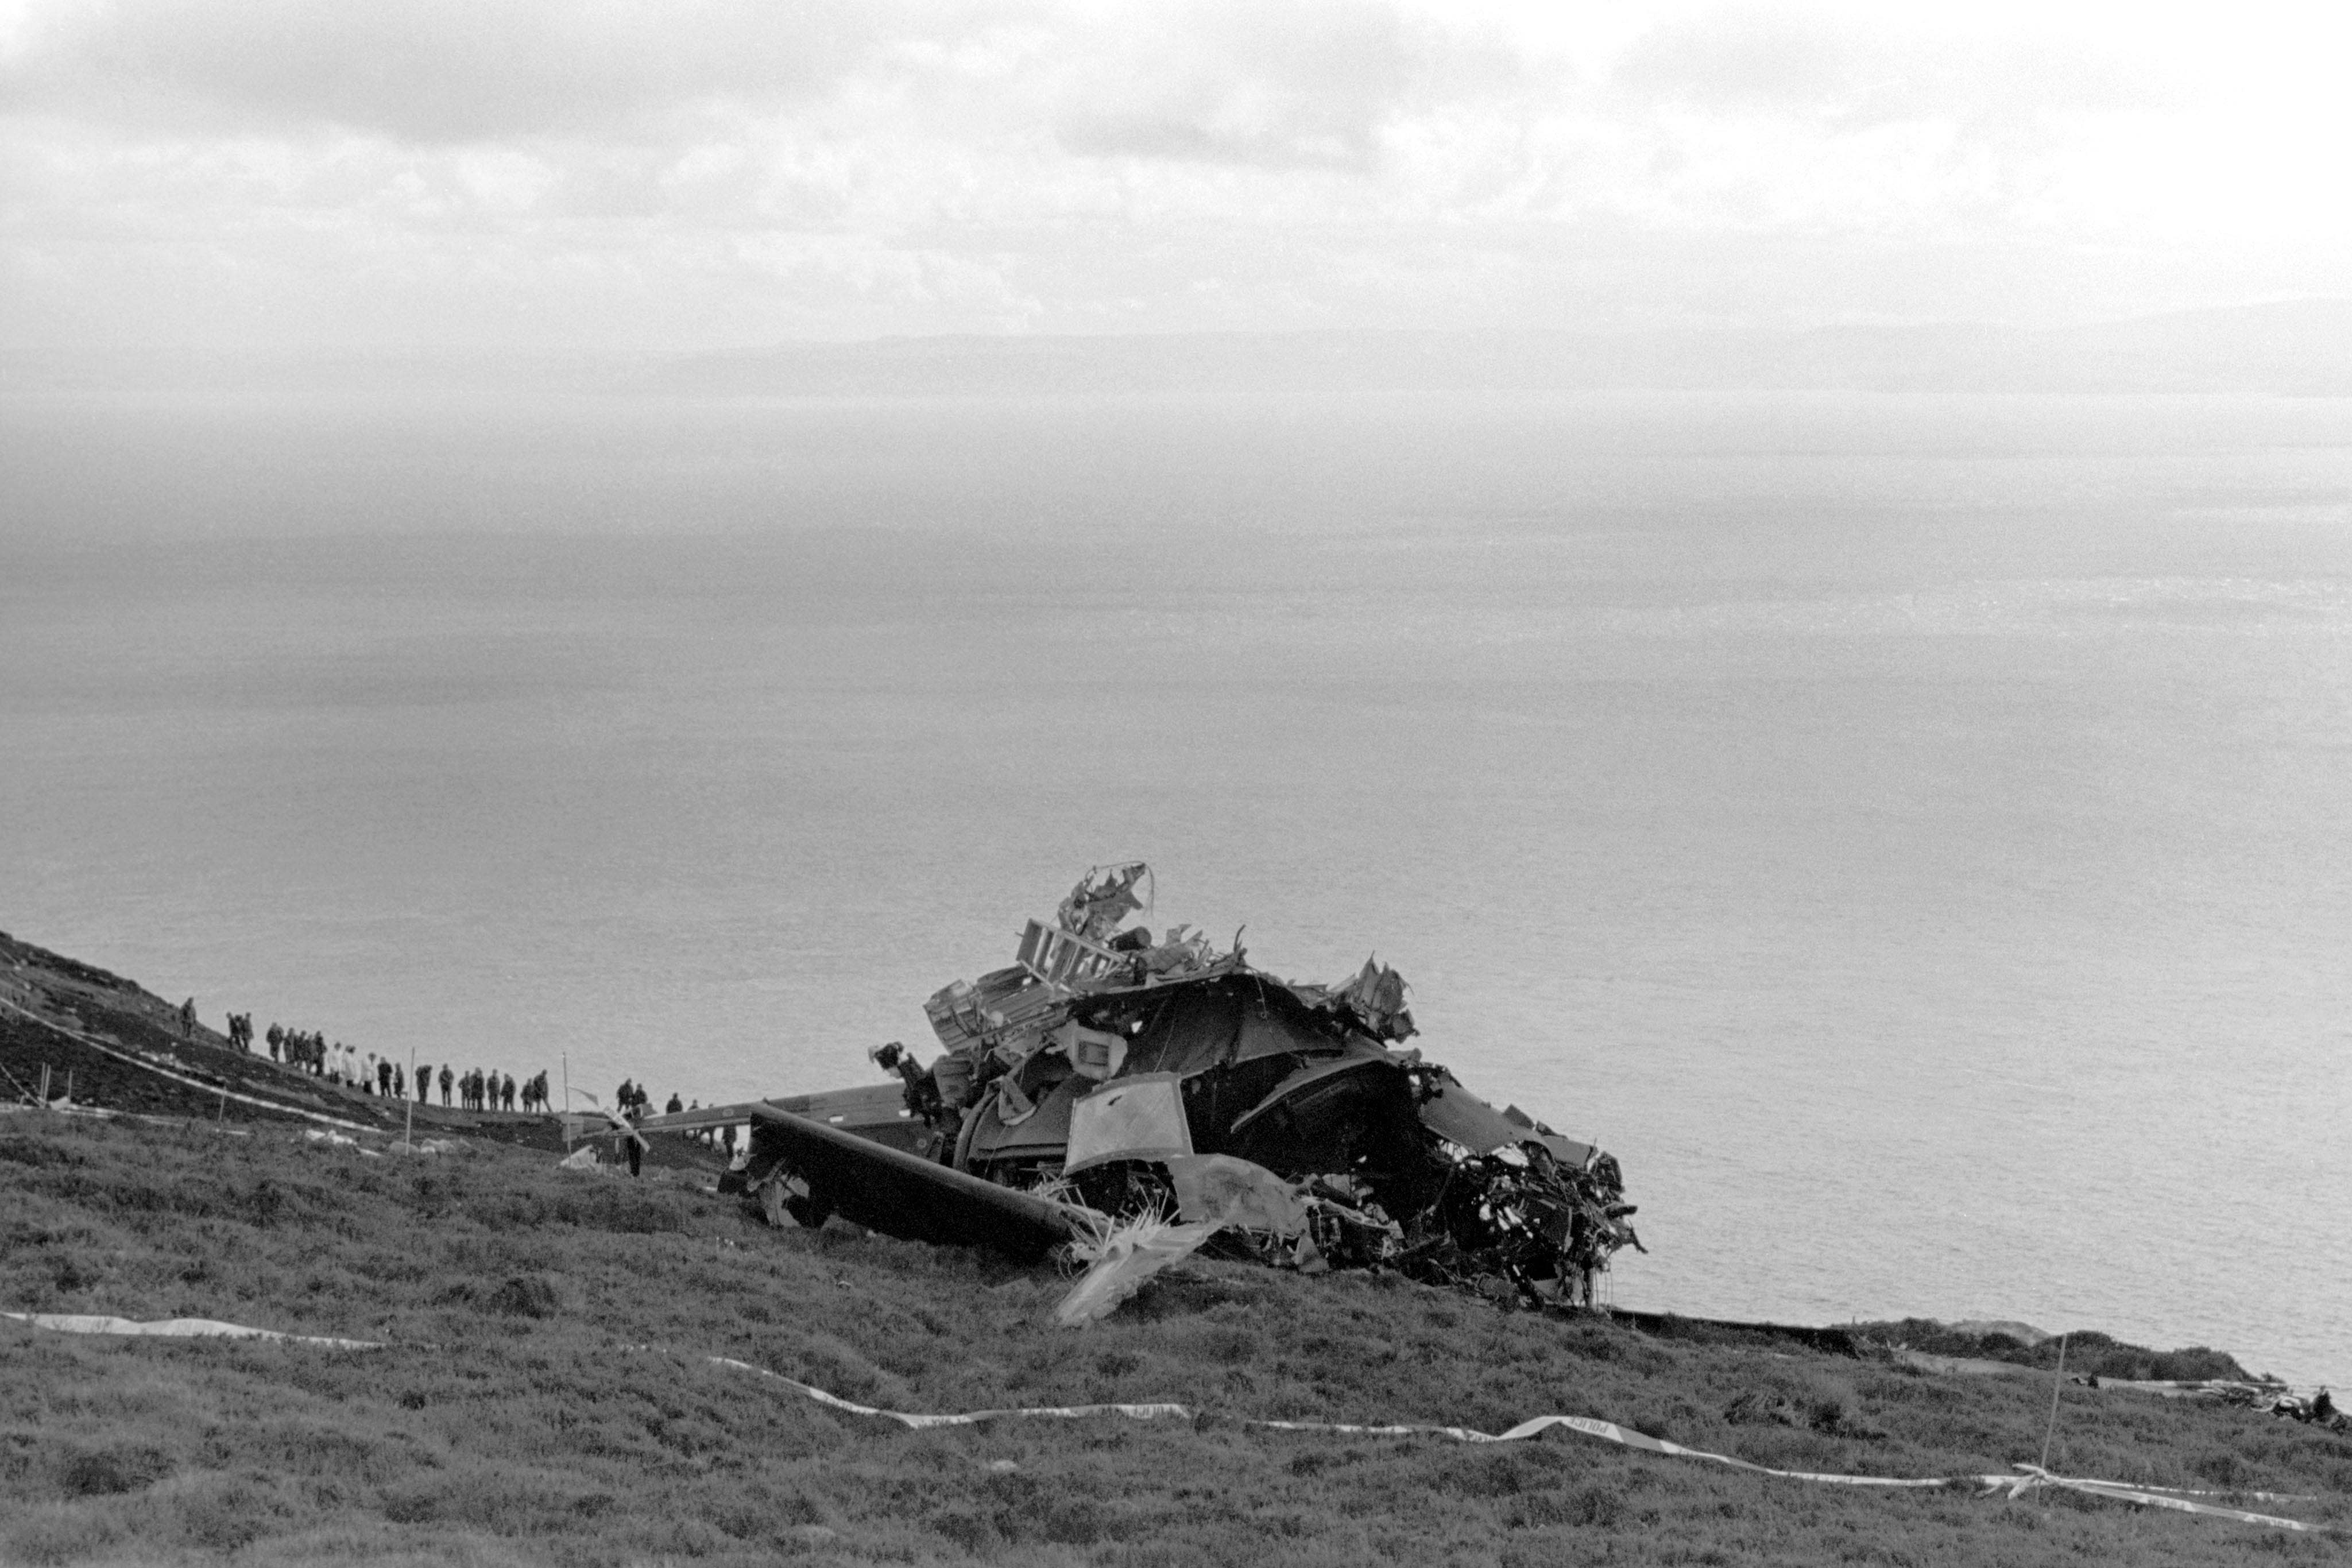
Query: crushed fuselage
[(1102, 1066)]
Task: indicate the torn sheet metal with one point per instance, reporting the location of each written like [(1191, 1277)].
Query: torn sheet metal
[(1460, 1117), (1123, 1261), (1092, 1052), (1138, 1118), (1102, 900), (1234, 1192), (1103, 1057)]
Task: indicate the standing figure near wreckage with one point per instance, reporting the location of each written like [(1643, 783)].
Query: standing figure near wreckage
[(1104, 1066)]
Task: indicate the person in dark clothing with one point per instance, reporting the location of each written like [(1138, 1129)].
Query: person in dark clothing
[(674, 1107), (506, 1092), (448, 1078)]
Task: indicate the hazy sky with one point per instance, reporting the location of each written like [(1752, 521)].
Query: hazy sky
[(397, 174)]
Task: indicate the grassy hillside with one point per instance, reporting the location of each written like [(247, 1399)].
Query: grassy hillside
[(545, 1394), (545, 1398), (116, 1045)]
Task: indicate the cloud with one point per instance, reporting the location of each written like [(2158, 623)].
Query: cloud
[(1271, 83), (1741, 60), (435, 71), (719, 171), (1853, 75)]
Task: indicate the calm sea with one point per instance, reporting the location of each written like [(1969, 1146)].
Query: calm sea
[(1911, 832)]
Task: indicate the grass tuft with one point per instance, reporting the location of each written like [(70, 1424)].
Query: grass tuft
[(546, 1398)]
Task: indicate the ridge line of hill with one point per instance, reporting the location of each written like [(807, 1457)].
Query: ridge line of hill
[(222, 1090), (127, 1050)]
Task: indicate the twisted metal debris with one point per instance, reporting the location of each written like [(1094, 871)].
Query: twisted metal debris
[(1092, 1075)]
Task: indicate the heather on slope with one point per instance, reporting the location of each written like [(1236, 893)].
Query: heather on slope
[(545, 1396)]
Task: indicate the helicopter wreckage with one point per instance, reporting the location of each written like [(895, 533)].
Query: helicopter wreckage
[(1108, 1074)]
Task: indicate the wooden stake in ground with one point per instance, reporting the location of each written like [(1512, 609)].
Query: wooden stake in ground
[(2056, 1384)]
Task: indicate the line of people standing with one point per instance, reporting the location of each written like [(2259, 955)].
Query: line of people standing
[(474, 1089), (313, 1053), (479, 1089)]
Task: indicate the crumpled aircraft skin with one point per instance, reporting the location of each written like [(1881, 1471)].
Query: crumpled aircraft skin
[(1075, 1082)]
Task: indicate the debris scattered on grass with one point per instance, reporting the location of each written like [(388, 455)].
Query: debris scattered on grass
[(1128, 1252)]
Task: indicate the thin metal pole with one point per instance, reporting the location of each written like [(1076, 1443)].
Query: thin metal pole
[(2056, 1382)]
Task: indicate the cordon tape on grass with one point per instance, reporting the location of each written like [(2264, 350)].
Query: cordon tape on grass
[(2028, 1478), (179, 1328)]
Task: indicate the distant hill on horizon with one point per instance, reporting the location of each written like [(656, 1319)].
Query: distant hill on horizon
[(2292, 349), (2295, 349)]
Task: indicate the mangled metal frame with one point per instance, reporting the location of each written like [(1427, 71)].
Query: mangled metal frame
[(1095, 1074)]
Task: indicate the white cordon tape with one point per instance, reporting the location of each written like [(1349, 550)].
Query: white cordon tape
[(2014, 1485), (2031, 1475), (966, 1418), (179, 1328)]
